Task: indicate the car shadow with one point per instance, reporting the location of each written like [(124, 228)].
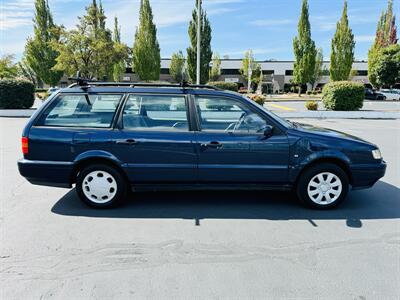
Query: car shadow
[(380, 202)]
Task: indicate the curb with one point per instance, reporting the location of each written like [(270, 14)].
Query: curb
[(27, 113), (384, 115)]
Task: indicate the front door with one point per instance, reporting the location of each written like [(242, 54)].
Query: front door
[(155, 143), (232, 146)]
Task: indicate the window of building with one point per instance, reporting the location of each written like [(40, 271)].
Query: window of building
[(362, 72), (164, 71), (230, 72), (268, 72), (289, 72)]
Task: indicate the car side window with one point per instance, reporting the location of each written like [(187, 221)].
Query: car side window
[(227, 115), (155, 112), (96, 110)]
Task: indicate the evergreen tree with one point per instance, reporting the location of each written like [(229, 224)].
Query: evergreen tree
[(342, 49), (177, 67), (386, 35), (40, 55), (304, 50), (205, 45), (318, 70), (146, 51), (89, 48), (120, 64)]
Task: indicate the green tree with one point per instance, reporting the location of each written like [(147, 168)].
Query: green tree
[(7, 67), (304, 50), (120, 63), (177, 67), (26, 72), (205, 46), (215, 71), (342, 49), (39, 53), (89, 48), (249, 61), (318, 70), (386, 70), (146, 51), (386, 35)]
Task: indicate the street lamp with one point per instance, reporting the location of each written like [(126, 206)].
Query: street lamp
[(249, 73), (198, 40)]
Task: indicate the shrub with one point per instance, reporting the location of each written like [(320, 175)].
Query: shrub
[(309, 92), (258, 99), (16, 93), (343, 95), (311, 105), (230, 86)]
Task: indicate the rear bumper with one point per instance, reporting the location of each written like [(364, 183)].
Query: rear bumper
[(365, 176), (48, 173)]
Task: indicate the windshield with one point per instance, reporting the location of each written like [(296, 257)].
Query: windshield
[(277, 118)]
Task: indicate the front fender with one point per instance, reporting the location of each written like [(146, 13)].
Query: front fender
[(306, 153)]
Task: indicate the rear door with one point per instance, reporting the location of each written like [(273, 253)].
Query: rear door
[(155, 140), (232, 145)]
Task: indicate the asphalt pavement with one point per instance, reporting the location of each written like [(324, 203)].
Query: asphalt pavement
[(299, 106), (208, 245)]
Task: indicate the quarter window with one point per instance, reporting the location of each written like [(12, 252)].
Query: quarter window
[(96, 110), (227, 115), (164, 113)]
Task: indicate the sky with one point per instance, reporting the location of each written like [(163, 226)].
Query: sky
[(265, 26)]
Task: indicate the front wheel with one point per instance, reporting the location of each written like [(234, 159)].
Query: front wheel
[(323, 186), (101, 186)]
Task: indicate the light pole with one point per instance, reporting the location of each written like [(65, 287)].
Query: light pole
[(198, 40), (249, 73)]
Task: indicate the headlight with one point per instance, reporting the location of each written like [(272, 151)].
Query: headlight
[(377, 154)]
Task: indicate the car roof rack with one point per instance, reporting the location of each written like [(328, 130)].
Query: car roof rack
[(85, 83)]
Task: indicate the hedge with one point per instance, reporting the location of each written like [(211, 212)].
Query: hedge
[(16, 93), (343, 95), (230, 86)]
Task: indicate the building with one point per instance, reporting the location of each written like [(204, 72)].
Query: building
[(278, 74)]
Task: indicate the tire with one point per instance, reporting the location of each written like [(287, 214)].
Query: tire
[(101, 186), (322, 186)]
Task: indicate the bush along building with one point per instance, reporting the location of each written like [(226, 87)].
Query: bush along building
[(276, 75)]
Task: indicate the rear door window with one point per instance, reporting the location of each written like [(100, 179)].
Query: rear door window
[(96, 110), (156, 113)]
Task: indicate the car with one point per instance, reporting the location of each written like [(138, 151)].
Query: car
[(373, 95), (52, 90), (111, 139), (390, 94)]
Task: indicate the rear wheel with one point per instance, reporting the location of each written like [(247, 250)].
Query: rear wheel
[(101, 186), (323, 186)]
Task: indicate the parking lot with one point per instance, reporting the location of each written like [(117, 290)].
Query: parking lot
[(298, 106), (208, 245)]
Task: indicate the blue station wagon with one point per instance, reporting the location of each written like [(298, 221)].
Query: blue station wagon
[(112, 138)]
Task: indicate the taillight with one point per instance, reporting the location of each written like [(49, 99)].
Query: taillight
[(24, 142)]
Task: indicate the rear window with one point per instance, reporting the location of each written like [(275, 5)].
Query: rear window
[(81, 111)]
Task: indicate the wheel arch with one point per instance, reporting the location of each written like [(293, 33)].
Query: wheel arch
[(90, 159), (333, 160)]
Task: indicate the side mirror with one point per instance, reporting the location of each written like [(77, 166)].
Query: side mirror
[(268, 131)]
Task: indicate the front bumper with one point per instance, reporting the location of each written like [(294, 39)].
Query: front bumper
[(365, 176), (48, 173)]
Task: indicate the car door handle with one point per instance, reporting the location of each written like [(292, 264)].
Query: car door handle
[(214, 144), (127, 142)]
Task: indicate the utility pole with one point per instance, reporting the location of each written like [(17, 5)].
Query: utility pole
[(198, 40)]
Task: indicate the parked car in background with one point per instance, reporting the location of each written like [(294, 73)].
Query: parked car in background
[(52, 90), (390, 94), (110, 138), (373, 95)]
